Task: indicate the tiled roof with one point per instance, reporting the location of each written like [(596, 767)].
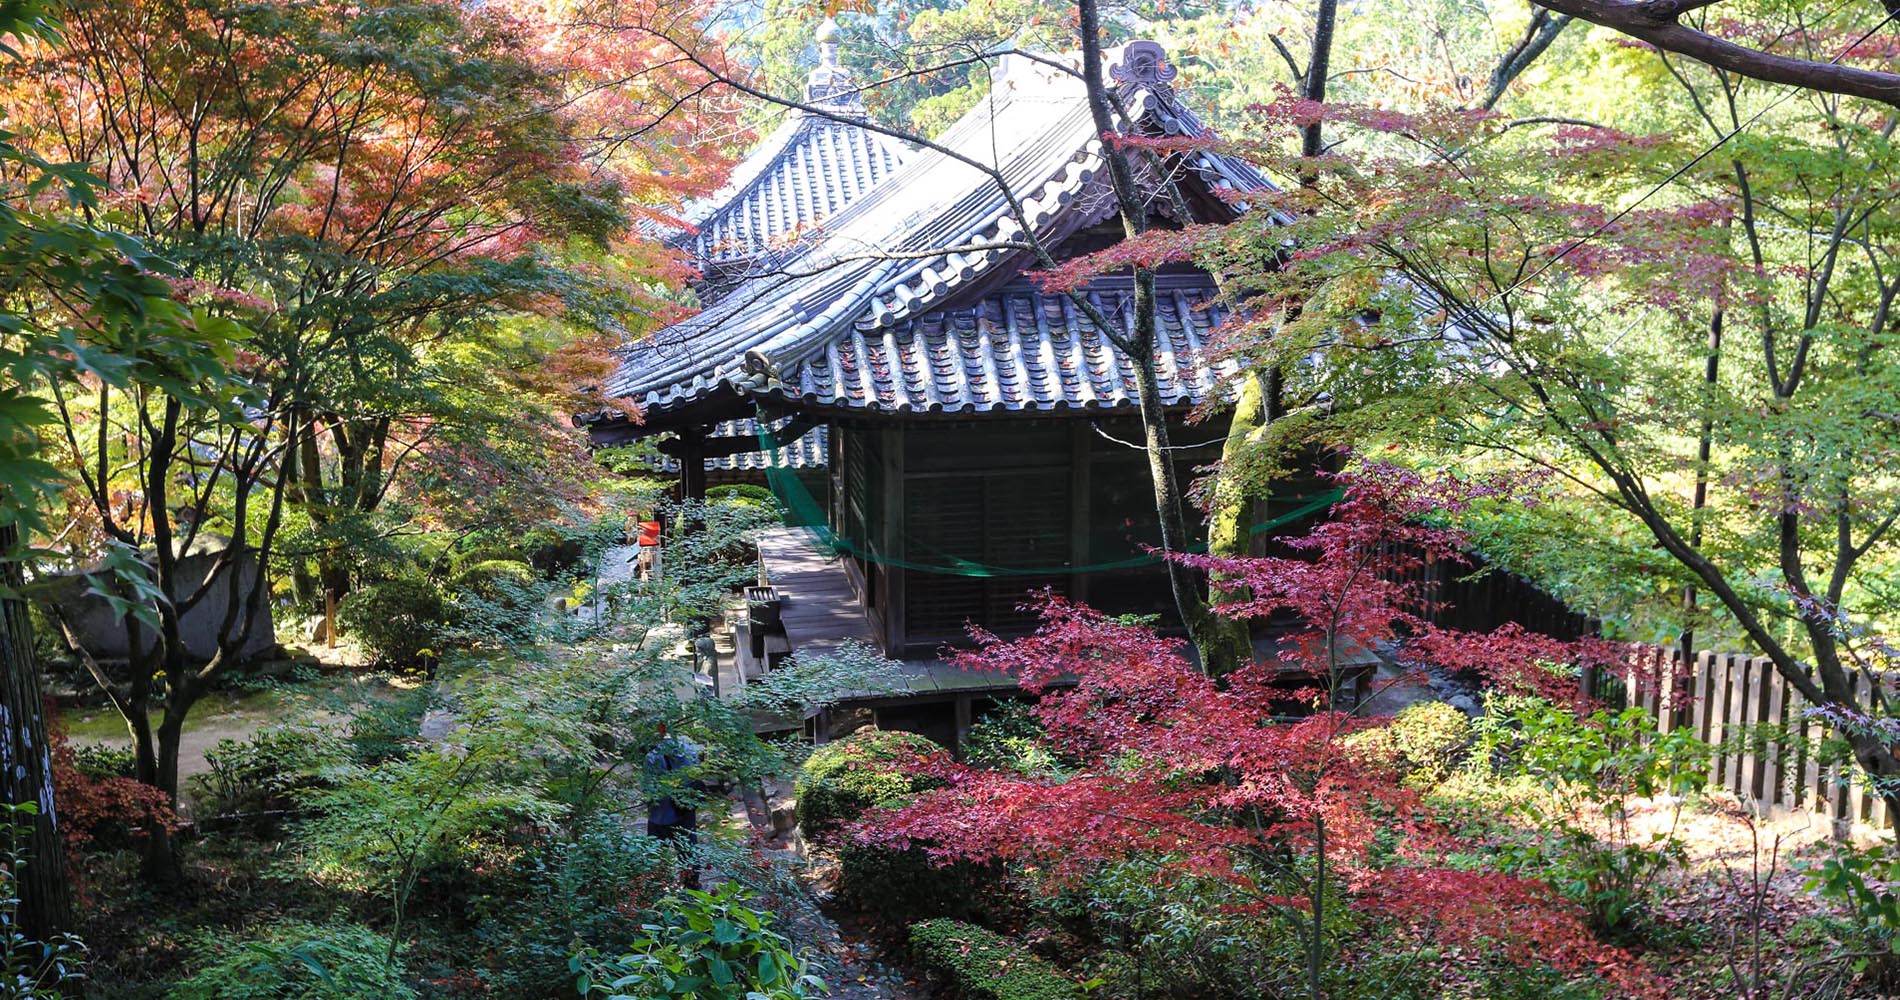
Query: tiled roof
[(875, 271), (810, 451), (1015, 349), (779, 195), (808, 169)]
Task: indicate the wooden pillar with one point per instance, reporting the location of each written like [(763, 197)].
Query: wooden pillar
[(963, 710), (1079, 448), (890, 538), (834, 475), (693, 463)]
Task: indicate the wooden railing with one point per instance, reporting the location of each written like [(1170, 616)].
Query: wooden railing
[(1766, 738)]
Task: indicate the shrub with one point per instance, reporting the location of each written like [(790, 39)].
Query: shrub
[(588, 890), (1864, 884), (1430, 735), (494, 579), (294, 960), (257, 780), (983, 965), (869, 768), (553, 554), (743, 493), (1010, 739), (104, 813), (899, 887), (403, 621), (1376, 747), (462, 561), (720, 556), (1182, 930), (29, 969), (1589, 768), (103, 763), (498, 601), (711, 945), (386, 728)]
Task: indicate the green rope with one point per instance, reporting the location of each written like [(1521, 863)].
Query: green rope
[(803, 510)]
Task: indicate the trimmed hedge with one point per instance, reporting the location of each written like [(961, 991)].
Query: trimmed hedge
[(841, 781), (495, 579), (741, 493), (404, 620), (1431, 735), (900, 887), (980, 964)]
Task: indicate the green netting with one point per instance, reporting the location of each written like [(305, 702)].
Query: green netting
[(804, 510)]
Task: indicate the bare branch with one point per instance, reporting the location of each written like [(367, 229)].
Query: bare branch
[(1542, 30)]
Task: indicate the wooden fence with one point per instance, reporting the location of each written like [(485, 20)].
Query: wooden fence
[(1767, 740), (1467, 594)]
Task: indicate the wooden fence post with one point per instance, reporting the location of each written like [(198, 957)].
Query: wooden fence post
[(1699, 683), (1758, 723), (1775, 784), (1719, 715), (1759, 762), (1842, 804)]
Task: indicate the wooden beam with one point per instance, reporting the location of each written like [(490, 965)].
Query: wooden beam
[(723, 447)]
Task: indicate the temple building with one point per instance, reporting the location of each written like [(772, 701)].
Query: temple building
[(873, 340)]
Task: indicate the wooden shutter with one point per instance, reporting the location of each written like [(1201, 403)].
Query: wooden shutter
[(990, 521)]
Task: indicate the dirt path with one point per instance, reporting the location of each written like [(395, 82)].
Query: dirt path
[(222, 715)]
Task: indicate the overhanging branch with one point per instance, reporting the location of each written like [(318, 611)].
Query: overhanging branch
[(1654, 21)]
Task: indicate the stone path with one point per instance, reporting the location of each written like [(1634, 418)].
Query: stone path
[(851, 968)]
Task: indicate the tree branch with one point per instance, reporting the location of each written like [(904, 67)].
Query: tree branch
[(1654, 21), (1542, 30)]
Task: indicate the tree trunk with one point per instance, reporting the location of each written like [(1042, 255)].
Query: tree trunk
[(26, 759), (1230, 531), (1139, 347), (1705, 446), (1215, 656), (1317, 68), (161, 863)]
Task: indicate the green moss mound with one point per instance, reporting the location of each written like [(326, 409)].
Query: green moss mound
[(979, 964), (842, 781)]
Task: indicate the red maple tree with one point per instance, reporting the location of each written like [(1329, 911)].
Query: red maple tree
[(1207, 774)]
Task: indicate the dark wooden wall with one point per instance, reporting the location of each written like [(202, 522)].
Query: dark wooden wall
[(1020, 504)]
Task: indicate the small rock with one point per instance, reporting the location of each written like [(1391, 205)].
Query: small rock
[(784, 818)]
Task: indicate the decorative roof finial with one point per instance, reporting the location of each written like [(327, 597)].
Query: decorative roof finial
[(827, 35), (831, 84), (1143, 61)]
